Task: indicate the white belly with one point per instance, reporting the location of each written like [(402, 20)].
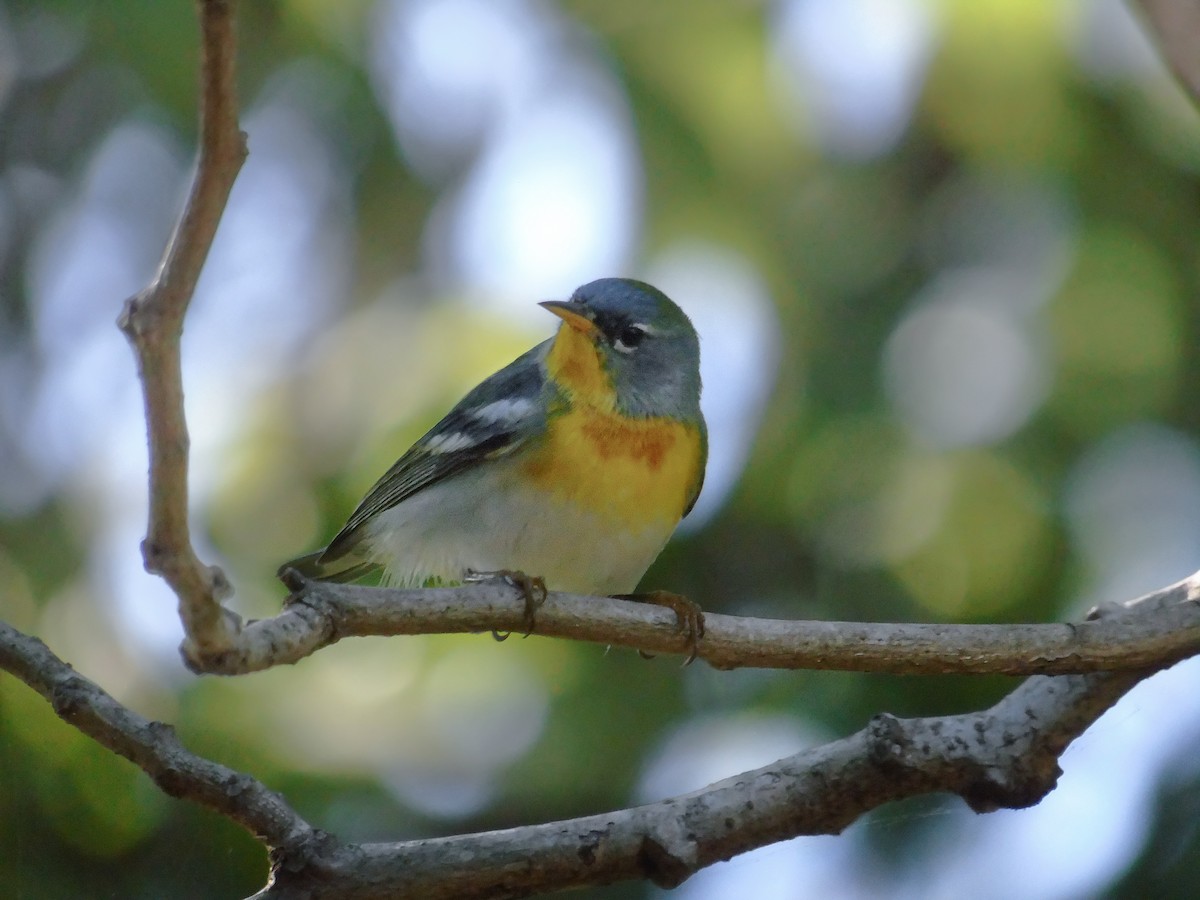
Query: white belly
[(445, 530)]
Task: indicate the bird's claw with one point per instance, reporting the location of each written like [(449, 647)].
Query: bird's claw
[(688, 613), (532, 588)]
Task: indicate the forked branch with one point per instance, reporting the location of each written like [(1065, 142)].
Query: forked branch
[(153, 322)]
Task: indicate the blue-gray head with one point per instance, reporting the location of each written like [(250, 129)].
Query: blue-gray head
[(646, 343)]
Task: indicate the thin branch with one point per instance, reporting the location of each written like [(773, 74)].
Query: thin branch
[(1003, 757), (1165, 628), (153, 322)]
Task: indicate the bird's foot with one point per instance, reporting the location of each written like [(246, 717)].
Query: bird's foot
[(689, 614), (532, 588)]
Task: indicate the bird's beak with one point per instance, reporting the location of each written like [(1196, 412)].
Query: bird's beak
[(571, 313)]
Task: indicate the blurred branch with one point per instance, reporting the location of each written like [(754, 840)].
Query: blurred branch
[(1155, 630), (153, 322), (1175, 25), (1002, 757)]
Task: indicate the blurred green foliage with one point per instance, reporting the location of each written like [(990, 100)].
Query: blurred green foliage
[(843, 510)]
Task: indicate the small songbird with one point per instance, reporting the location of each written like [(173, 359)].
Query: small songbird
[(568, 469)]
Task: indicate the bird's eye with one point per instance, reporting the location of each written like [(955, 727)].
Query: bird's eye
[(629, 338)]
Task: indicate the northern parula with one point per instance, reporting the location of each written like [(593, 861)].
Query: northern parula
[(573, 464)]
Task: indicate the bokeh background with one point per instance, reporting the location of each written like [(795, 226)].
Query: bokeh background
[(943, 258)]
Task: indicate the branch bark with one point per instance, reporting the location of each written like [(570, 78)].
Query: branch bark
[(1005, 756), (1165, 628), (153, 323)]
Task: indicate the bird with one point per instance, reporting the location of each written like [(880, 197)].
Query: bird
[(568, 469)]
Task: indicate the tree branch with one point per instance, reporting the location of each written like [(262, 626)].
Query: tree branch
[(153, 322), (1005, 756), (1175, 26), (1163, 628)]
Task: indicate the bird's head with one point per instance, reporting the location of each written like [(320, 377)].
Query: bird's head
[(643, 346)]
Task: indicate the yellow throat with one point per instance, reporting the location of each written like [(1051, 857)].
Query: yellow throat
[(640, 471)]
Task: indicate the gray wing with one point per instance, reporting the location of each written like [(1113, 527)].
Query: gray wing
[(500, 414)]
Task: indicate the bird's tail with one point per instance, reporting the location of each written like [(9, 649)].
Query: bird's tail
[(316, 567)]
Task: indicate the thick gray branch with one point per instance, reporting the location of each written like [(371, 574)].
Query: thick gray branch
[(1005, 756), (1166, 628), (153, 322)]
